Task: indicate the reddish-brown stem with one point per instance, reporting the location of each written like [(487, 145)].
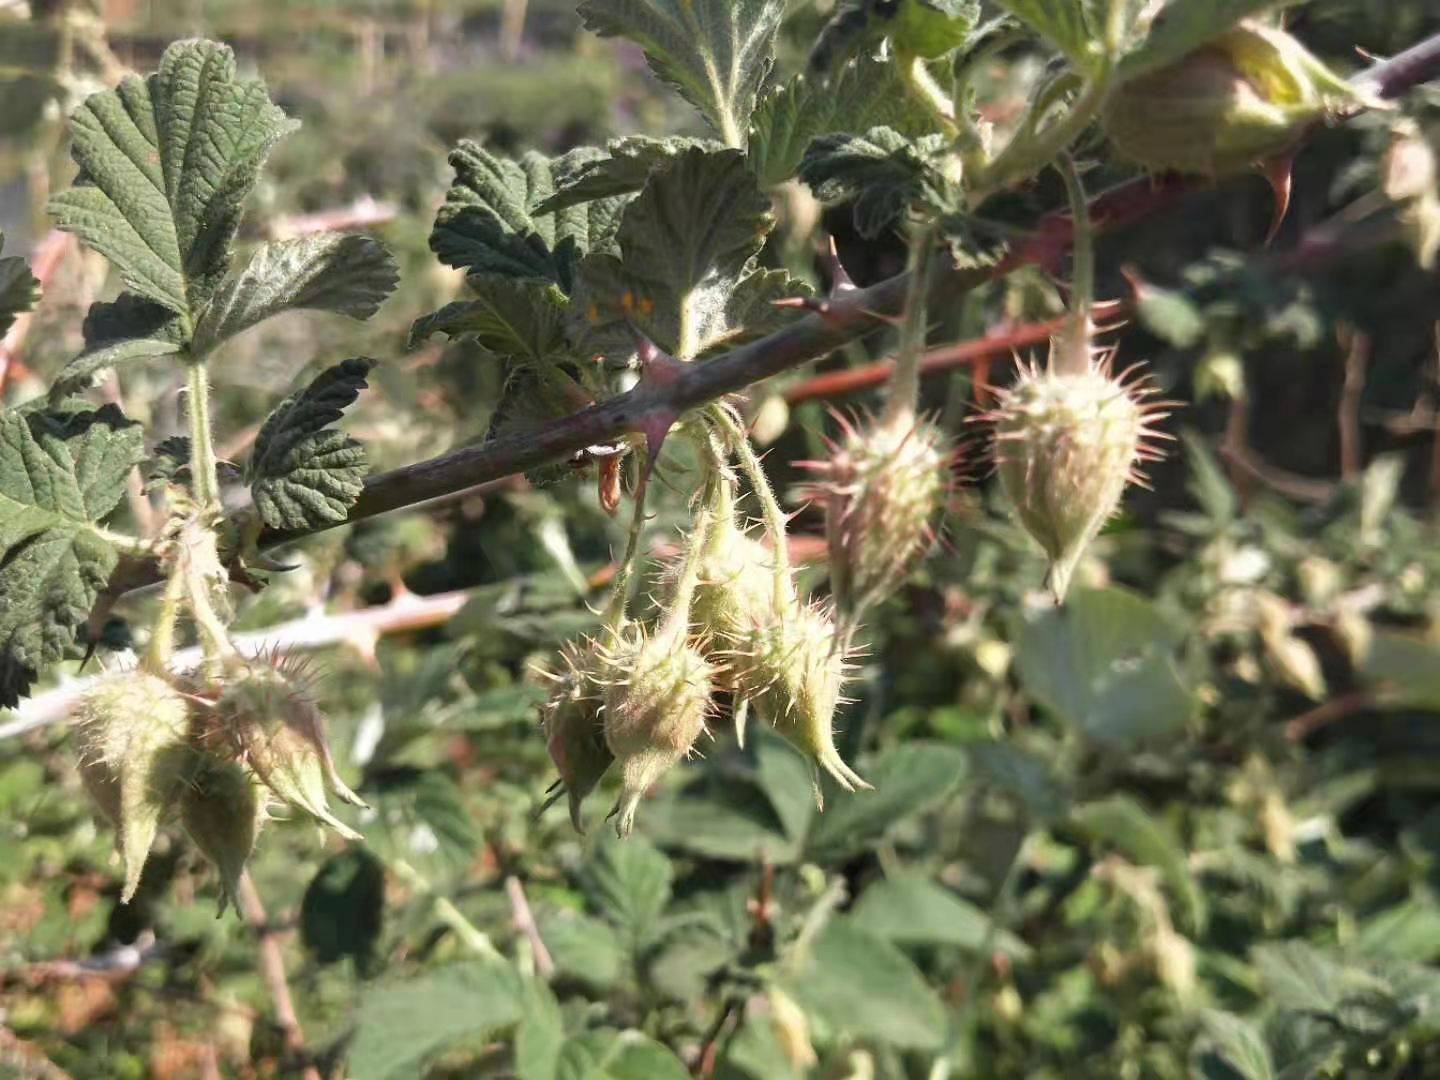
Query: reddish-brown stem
[(833, 384), (49, 254)]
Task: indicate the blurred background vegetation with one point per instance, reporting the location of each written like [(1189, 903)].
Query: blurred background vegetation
[(1192, 826)]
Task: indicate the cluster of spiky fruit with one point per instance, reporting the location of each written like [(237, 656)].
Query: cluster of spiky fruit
[(641, 701), (155, 748)]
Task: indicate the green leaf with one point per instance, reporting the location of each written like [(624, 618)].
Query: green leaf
[(584, 948), (1170, 315), (726, 821), (347, 275), (1239, 1043), (491, 223), (420, 817), (1144, 839), (629, 882), (18, 288), (343, 909), (608, 1055), (864, 94), (686, 276), (1024, 775), (1105, 663), (541, 1036), (303, 473), (913, 910), (1067, 25), (882, 171), (932, 28), (61, 474), (1406, 669), (907, 779), (865, 988), (403, 1023), (116, 332), (1182, 26), (521, 321), (622, 170), (1407, 931), (716, 53), (165, 165)]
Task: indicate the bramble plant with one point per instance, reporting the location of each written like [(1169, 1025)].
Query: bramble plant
[(631, 295)]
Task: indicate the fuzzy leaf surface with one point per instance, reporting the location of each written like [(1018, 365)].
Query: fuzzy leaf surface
[(686, 275), (402, 1023), (623, 170), (305, 474), (18, 288), (345, 274), (491, 221), (882, 171), (61, 474), (165, 165), (716, 53), (521, 321), (932, 28), (117, 332), (862, 95)]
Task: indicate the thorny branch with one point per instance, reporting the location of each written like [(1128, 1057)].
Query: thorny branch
[(845, 318)]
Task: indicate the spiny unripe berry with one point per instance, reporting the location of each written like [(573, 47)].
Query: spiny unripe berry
[(223, 809), (1241, 98), (656, 703), (1067, 442), (791, 668), (570, 719), (135, 757), (735, 576), (883, 488), (269, 721)]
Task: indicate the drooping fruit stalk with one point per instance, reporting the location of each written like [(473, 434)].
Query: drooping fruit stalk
[(658, 691), (135, 759), (887, 478), (1071, 436), (785, 659)]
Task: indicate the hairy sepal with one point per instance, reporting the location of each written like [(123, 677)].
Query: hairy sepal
[(135, 759), (572, 725), (270, 722), (223, 809), (656, 704)]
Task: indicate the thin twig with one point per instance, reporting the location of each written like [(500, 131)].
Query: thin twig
[(315, 630), (272, 971), (1336, 709), (49, 255), (524, 920), (1357, 359)]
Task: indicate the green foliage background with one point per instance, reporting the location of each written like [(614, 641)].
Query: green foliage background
[(1186, 826)]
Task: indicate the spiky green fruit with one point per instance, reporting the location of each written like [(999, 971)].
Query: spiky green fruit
[(656, 703), (1066, 446), (135, 757), (791, 668), (271, 723), (1245, 96), (223, 809), (883, 488), (570, 719), (735, 581)]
